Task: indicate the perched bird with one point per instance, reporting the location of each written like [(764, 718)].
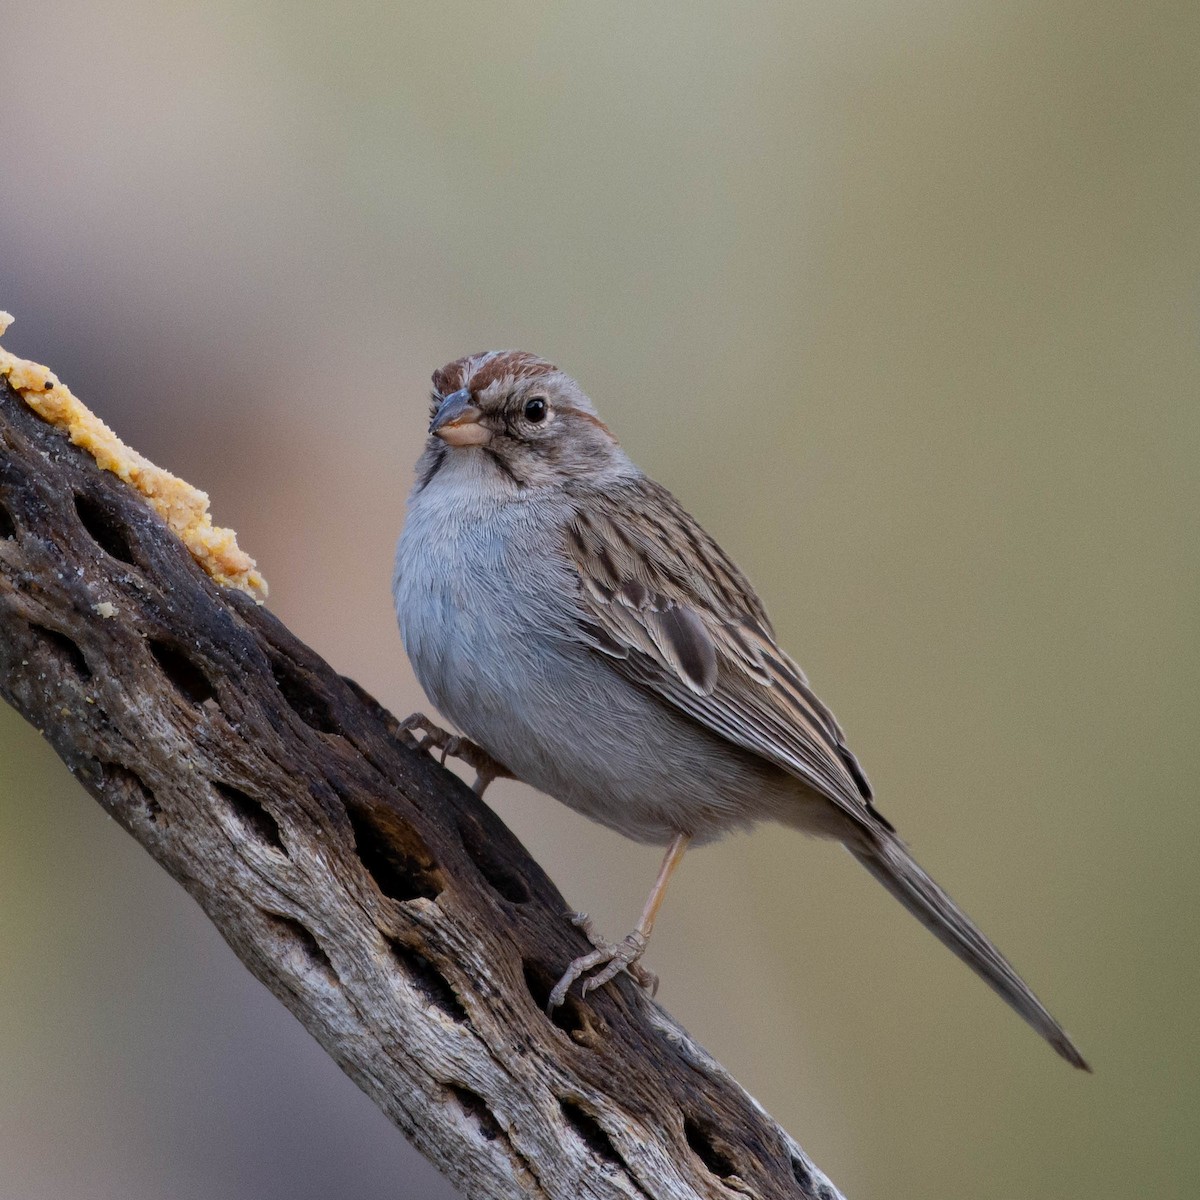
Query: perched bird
[(592, 640)]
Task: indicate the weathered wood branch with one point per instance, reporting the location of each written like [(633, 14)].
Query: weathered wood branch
[(392, 912)]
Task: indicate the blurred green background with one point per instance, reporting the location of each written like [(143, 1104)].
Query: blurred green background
[(899, 296)]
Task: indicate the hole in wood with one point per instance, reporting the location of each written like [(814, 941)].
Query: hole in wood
[(570, 1016), (395, 855), (302, 697), (125, 788), (191, 682), (704, 1141), (300, 947), (591, 1133), (257, 821), (65, 651), (475, 1107), (8, 529), (433, 986), (503, 878), (107, 530), (804, 1177)]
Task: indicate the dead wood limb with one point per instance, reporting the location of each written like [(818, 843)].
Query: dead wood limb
[(392, 912)]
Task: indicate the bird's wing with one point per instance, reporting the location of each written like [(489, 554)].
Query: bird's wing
[(670, 610)]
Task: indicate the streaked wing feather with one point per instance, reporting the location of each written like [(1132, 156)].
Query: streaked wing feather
[(675, 615)]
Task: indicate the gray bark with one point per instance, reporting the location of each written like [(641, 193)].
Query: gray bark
[(388, 908)]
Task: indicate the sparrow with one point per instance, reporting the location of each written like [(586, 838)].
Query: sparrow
[(590, 639)]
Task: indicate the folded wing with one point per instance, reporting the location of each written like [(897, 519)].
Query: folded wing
[(662, 600)]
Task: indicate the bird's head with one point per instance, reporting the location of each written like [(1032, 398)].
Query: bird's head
[(524, 416)]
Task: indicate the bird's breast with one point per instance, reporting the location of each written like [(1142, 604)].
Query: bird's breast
[(471, 588)]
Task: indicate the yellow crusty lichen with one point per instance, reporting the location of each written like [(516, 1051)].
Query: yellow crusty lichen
[(183, 507)]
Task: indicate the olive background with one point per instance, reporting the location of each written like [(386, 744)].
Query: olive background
[(899, 297)]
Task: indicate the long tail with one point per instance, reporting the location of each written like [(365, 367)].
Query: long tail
[(890, 863)]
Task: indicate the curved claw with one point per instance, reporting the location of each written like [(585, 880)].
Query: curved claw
[(608, 960), (453, 745)]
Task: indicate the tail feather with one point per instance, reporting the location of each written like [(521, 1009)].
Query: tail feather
[(890, 863)]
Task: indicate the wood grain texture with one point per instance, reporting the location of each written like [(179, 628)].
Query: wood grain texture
[(390, 910)]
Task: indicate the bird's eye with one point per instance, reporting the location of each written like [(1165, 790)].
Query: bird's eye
[(535, 409)]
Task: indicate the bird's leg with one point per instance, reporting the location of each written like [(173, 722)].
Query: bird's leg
[(609, 959), (434, 737)]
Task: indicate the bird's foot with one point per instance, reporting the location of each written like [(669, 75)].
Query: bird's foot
[(607, 961), (434, 737)]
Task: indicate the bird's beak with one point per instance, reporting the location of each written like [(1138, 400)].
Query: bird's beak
[(456, 422)]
